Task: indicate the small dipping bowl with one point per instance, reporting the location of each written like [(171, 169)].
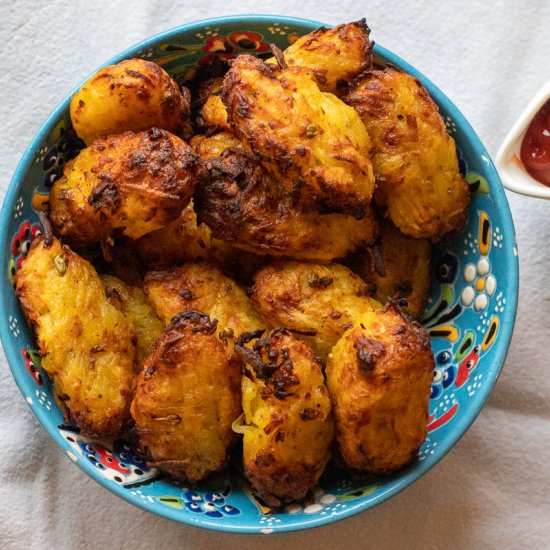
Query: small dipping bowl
[(511, 169)]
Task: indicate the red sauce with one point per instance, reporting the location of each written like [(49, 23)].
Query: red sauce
[(535, 148)]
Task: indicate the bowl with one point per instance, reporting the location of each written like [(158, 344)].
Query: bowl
[(508, 160), (470, 316)]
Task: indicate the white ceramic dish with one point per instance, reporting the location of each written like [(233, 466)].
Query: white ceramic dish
[(513, 174)]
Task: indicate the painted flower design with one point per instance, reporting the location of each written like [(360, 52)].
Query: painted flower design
[(213, 504), (482, 284), (32, 361), (444, 374), (20, 246), (228, 47), (477, 183), (462, 164), (66, 147), (115, 461)]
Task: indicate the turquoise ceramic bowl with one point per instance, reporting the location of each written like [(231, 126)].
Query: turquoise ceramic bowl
[(470, 316)]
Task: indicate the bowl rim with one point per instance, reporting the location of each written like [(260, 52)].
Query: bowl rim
[(463, 422)]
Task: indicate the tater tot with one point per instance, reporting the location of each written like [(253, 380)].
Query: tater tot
[(379, 376), (288, 427), (187, 397), (87, 344), (414, 158), (319, 300), (132, 95), (132, 183)]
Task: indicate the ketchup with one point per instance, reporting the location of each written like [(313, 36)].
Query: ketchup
[(535, 147)]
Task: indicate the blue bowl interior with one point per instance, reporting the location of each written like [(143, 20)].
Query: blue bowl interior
[(470, 316)]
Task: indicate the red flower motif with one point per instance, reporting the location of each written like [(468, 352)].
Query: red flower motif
[(226, 48), (211, 58), (31, 366), (21, 242), (219, 45), (246, 40)]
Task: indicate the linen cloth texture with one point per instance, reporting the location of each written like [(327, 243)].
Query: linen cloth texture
[(491, 491)]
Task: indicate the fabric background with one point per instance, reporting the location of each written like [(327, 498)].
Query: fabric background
[(492, 490)]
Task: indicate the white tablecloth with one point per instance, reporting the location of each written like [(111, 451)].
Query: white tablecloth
[(492, 490)]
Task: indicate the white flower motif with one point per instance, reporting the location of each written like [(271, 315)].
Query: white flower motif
[(450, 124), (12, 323), (482, 284), (18, 208), (321, 502)]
